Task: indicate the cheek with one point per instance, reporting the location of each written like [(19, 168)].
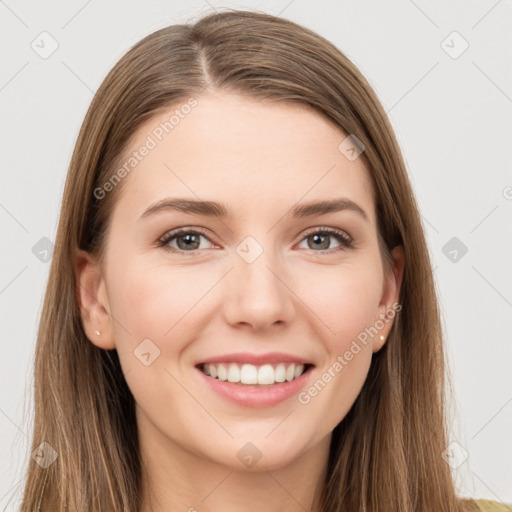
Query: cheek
[(158, 303), (154, 319), (150, 300), (344, 299)]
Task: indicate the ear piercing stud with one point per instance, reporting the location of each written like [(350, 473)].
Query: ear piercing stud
[(382, 337), (98, 333)]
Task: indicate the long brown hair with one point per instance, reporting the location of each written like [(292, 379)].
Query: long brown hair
[(386, 454)]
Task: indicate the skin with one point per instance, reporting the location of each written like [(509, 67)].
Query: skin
[(259, 159)]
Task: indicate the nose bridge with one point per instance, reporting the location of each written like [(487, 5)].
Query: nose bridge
[(257, 293), (253, 264)]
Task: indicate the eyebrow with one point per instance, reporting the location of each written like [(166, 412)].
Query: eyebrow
[(214, 209)]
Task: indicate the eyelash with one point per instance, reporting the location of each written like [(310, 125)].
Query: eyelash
[(345, 241)]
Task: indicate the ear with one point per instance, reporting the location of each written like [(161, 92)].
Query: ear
[(93, 301), (390, 295)]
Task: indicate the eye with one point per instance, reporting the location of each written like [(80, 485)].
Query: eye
[(188, 240), (320, 239)]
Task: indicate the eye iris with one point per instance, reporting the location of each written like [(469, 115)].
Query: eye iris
[(317, 238), (191, 239)]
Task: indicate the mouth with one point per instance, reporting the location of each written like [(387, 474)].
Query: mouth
[(256, 376), (255, 380)]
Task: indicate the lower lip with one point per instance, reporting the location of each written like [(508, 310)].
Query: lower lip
[(255, 396)]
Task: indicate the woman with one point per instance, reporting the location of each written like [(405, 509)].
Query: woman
[(294, 359)]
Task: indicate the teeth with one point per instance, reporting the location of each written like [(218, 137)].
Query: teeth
[(280, 373), (249, 374), (222, 372), (233, 373), (264, 375)]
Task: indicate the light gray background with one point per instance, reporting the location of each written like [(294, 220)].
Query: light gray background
[(452, 119)]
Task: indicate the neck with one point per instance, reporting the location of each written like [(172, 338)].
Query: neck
[(176, 479)]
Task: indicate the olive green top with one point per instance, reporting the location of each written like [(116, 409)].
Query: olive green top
[(492, 506)]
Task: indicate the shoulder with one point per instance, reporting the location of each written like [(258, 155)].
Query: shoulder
[(488, 505)]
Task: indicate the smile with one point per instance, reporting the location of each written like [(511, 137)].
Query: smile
[(250, 374)]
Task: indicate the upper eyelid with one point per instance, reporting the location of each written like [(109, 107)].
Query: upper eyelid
[(327, 229)]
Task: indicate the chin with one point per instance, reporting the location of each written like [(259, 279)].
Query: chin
[(259, 452)]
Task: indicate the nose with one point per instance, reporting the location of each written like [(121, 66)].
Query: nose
[(258, 293)]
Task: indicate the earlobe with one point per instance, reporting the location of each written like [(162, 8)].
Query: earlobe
[(93, 301), (390, 297)]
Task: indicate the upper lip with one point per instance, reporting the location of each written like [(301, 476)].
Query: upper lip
[(255, 359)]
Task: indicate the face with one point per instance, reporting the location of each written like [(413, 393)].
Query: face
[(261, 287)]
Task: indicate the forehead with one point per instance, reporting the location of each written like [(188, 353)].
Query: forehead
[(243, 152)]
